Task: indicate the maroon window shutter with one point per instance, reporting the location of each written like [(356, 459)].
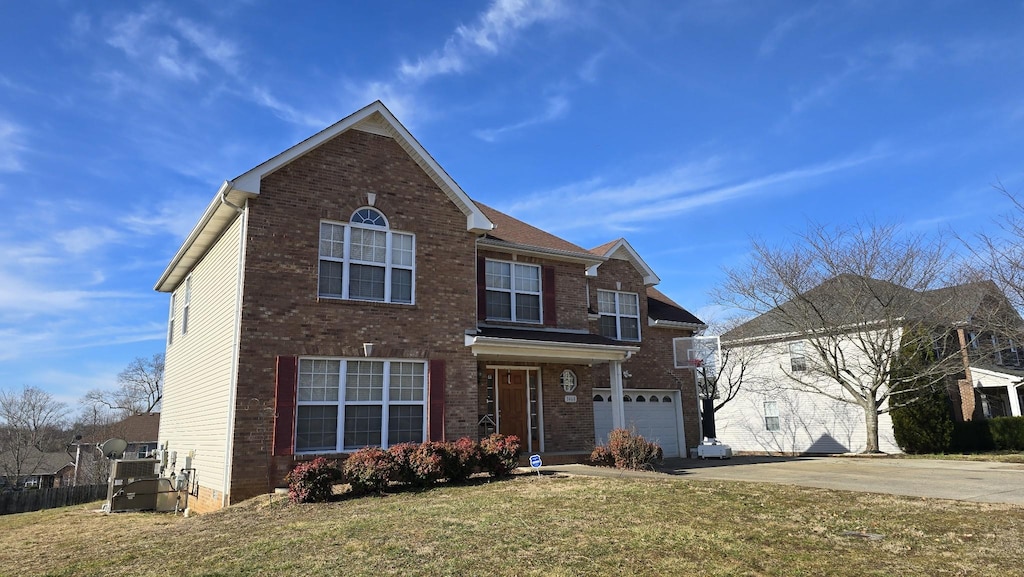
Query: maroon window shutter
[(548, 288), (435, 400), (284, 405), (481, 288)]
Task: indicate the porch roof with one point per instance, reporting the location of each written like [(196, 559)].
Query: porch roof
[(546, 345)]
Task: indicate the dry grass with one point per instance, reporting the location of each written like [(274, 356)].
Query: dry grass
[(994, 456), (551, 525)]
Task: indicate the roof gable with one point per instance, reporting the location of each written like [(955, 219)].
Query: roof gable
[(226, 204), (621, 249)]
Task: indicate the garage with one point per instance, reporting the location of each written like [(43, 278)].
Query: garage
[(655, 414)]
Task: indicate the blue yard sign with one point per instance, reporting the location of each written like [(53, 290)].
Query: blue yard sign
[(535, 463)]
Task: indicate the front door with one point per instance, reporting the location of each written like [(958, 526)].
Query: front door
[(512, 404)]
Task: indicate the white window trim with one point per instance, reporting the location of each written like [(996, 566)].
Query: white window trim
[(187, 306), (772, 414), (619, 315), (346, 261), (797, 351), (385, 403), (513, 290), (170, 322)]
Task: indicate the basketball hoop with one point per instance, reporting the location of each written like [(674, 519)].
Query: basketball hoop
[(696, 363)]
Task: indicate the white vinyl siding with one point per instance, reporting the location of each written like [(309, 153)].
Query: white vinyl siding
[(197, 373)]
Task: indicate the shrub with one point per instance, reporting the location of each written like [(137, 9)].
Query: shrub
[(462, 460), (1007, 433), (401, 468), (632, 451), (602, 457), (369, 470), (312, 481), (499, 454), (972, 436), (925, 426), (427, 463)]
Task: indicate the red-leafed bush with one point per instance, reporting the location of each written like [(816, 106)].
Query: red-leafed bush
[(428, 463), (499, 454), (400, 454), (369, 470), (312, 481), (462, 459), (631, 451), (602, 457)]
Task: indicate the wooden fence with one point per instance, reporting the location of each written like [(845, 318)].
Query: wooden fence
[(37, 499)]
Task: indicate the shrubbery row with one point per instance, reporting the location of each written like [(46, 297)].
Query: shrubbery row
[(626, 450), (373, 469)]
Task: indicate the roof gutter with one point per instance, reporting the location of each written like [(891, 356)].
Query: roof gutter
[(584, 258)]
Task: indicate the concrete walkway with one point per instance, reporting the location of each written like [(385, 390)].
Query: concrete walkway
[(983, 482)]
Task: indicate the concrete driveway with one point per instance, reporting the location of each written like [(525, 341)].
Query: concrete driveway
[(982, 482)]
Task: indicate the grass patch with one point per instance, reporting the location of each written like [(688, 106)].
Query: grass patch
[(530, 525), (993, 456)]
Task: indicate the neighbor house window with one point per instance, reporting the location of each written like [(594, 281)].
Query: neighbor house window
[(620, 315), (771, 416), (346, 404), (1014, 354), (797, 360), (513, 291), (187, 305), (995, 347), (170, 322), (366, 260)]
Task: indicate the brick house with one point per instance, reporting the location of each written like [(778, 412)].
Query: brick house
[(348, 293)]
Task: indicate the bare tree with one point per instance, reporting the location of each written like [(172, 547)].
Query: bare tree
[(31, 425), (852, 297), (139, 388)]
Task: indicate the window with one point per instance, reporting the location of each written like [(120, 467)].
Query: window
[(995, 347), (188, 303), (620, 315), (1014, 354), (170, 322), (513, 291), (346, 404), (797, 361), (771, 416), (365, 260)]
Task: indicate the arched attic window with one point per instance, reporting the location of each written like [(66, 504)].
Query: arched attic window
[(365, 260)]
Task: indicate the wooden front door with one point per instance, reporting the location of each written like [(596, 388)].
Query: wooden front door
[(512, 404)]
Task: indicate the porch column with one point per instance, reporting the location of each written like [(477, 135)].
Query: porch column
[(1011, 389), (618, 408)]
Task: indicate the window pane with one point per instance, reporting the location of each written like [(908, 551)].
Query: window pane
[(316, 428), (318, 380), (499, 305), (362, 426), (332, 240), (406, 382), (368, 245), (772, 423), (608, 328), (401, 249), (405, 424), (628, 305), (527, 278), (401, 286), (606, 302), (527, 307), (366, 282), (630, 329), (369, 216), (330, 278), (498, 275), (364, 381)]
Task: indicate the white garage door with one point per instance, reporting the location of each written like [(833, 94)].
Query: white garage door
[(654, 414)]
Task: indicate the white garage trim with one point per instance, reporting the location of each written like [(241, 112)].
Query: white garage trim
[(663, 425)]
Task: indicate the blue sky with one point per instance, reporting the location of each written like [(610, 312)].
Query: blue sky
[(687, 127)]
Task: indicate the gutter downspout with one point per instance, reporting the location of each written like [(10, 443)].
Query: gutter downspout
[(235, 338)]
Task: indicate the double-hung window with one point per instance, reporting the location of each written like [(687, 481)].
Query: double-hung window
[(187, 305), (170, 322), (771, 416), (797, 360), (619, 315), (513, 291), (366, 260), (346, 404)]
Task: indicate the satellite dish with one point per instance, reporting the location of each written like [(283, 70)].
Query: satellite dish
[(113, 448)]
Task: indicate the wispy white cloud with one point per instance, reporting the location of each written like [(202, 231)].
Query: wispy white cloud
[(285, 111), (495, 29), (556, 107), (613, 208), (784, 28), (175, 217), (588, 71), (81, 240), (11, 147)]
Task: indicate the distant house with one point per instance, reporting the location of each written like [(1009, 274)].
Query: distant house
[(141, 432), (773, 415), (39, 470), (348, 293)]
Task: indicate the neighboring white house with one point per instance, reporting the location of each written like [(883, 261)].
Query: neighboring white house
[(777, 409)]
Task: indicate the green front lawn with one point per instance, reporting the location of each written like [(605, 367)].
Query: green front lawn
[(550, 525)]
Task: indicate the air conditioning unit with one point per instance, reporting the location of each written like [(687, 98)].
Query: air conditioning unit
[(127, 471)]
